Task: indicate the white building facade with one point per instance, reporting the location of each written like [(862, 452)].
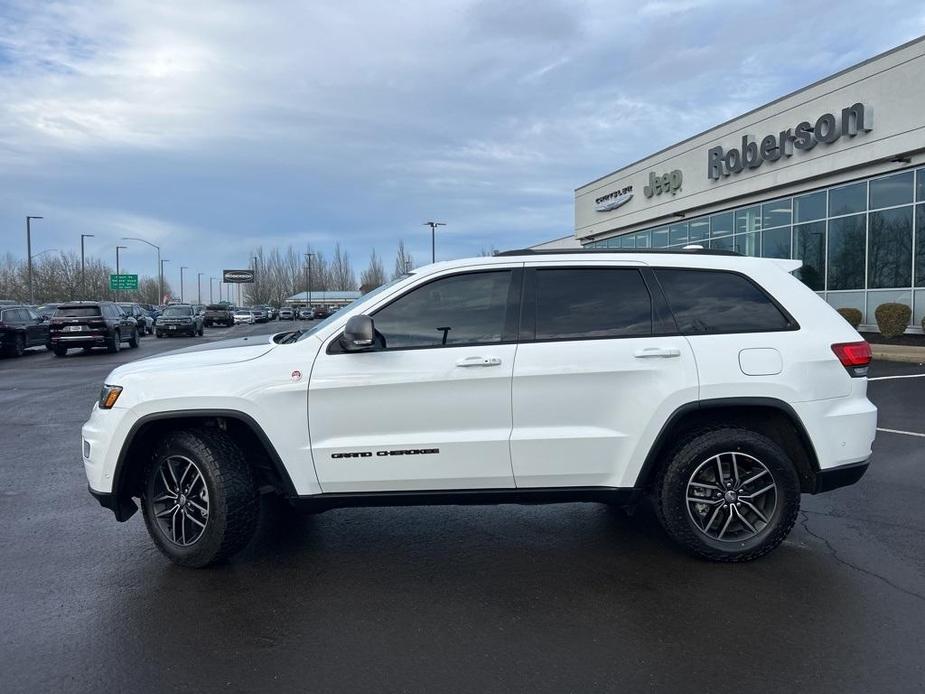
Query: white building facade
[(833, 174)]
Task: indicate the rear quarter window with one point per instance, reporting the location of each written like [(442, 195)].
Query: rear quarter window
[(716, 301)]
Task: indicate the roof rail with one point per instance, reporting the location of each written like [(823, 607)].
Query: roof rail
[(581, 251)]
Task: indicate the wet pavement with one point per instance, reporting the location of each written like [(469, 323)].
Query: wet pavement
[(570, 597)]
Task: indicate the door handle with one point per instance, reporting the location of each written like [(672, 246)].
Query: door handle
[(479, 361), (652, 352)]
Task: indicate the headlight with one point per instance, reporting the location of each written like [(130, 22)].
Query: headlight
[(109, 395)]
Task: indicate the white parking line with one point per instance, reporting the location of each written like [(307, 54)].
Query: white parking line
[(887, 378), (897, 431)]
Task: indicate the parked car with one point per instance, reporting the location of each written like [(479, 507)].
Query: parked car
[(47, 310), (306, 314), (261, 313), (718, 385), (21, 328), (286, 314), (179, 319), (218, 314), (321, 312), (243, 316), (89, 324), (142, 318)]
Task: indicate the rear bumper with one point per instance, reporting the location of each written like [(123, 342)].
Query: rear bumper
[(78, 340), (841, 476)]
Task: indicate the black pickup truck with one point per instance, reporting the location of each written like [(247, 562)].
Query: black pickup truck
[(219, 314)]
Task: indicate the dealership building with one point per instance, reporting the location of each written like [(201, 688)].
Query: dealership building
[(832, 174)]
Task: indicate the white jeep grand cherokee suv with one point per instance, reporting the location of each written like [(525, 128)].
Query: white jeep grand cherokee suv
[(718, 384)]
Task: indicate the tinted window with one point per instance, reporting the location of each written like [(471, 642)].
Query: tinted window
[(889, 251), (580, 303), (775, 243), (848, 199), (713, 301), (892, 190), (721, 224), (78, 311), (775, 213), (846, 252), (457, 310), (809, 246), (809, 207), (920, 245)]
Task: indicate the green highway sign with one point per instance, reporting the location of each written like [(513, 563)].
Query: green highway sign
[(129, 282)]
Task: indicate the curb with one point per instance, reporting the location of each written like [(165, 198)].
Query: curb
[(913, 355)]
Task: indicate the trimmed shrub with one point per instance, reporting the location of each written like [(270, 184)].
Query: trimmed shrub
[(852, 315), (892, 319)]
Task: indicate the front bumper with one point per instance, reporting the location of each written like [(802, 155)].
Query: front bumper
[(841, 476), (122, 509)]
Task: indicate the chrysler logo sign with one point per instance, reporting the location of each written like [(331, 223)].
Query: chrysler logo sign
[(238, 276), (613, 200), (804, 136)]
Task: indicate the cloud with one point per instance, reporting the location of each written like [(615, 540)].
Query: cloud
[(216, 126)]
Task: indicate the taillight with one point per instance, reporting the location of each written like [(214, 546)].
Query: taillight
[(854, 356)]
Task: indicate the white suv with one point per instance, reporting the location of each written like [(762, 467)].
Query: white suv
[(717, 384)]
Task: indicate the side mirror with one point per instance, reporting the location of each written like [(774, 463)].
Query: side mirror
[(359, 334)]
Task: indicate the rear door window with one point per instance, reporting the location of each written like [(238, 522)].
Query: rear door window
[(716, 301), (591, 303)]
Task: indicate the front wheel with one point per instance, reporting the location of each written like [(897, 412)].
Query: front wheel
[(728, 495), (18, 348), (133, 340), (200, 498)]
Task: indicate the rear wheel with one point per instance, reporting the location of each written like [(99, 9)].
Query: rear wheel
[(115, 342), (728, 494), (133, 340), (60, 351), (200, 498)]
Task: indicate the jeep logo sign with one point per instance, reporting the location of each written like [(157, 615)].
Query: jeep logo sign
[(827, 129), (666, 183), (238, 276)]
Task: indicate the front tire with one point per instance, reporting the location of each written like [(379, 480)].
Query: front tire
[(200, 500), (60, 351), (728, 494), (133, 340), (19, 346)]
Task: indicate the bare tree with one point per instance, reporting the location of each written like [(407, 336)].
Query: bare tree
[(404, 263), (342, 277), (374, 275)]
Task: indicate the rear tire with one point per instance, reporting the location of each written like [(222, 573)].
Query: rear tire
[(206, 510), (749, 488), (60, 351), (133, 340), (115, 343)]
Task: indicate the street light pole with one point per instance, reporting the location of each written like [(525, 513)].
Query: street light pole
[(117, 264), (165, 260), (160, 265), (199, 287), (83, 274), (29, 254), (308, 287), (182, 268), (433, 238), (211, 280)]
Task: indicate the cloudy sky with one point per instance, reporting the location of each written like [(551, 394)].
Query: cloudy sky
[(213, 127)]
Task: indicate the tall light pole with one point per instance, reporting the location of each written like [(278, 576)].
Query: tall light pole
[(29, 253), (117, 263), (255, 279), (308, 284), (182, 268), (161, 297), (160, 265), (433, 238), (83, 274), (199, 286), (211, 280)]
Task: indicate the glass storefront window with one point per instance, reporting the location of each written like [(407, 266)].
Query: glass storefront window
[(659, 238), (849, 300), (808, 208), (848, 199), (628, 241), (747, 244), (722, 244), (892, 190), (889, 248), (920, 244), (775, 243), (809, 246), (642, 239), (699, 229), (846, 252), (748, 219), (677, 234), (721, 224), (775, 213), (920, 185), (876, 298)]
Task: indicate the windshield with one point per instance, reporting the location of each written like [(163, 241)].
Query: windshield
[(172, 311), (77, 311), (363, 299)]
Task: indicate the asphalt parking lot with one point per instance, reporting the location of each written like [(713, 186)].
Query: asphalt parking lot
[(572, 597)]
